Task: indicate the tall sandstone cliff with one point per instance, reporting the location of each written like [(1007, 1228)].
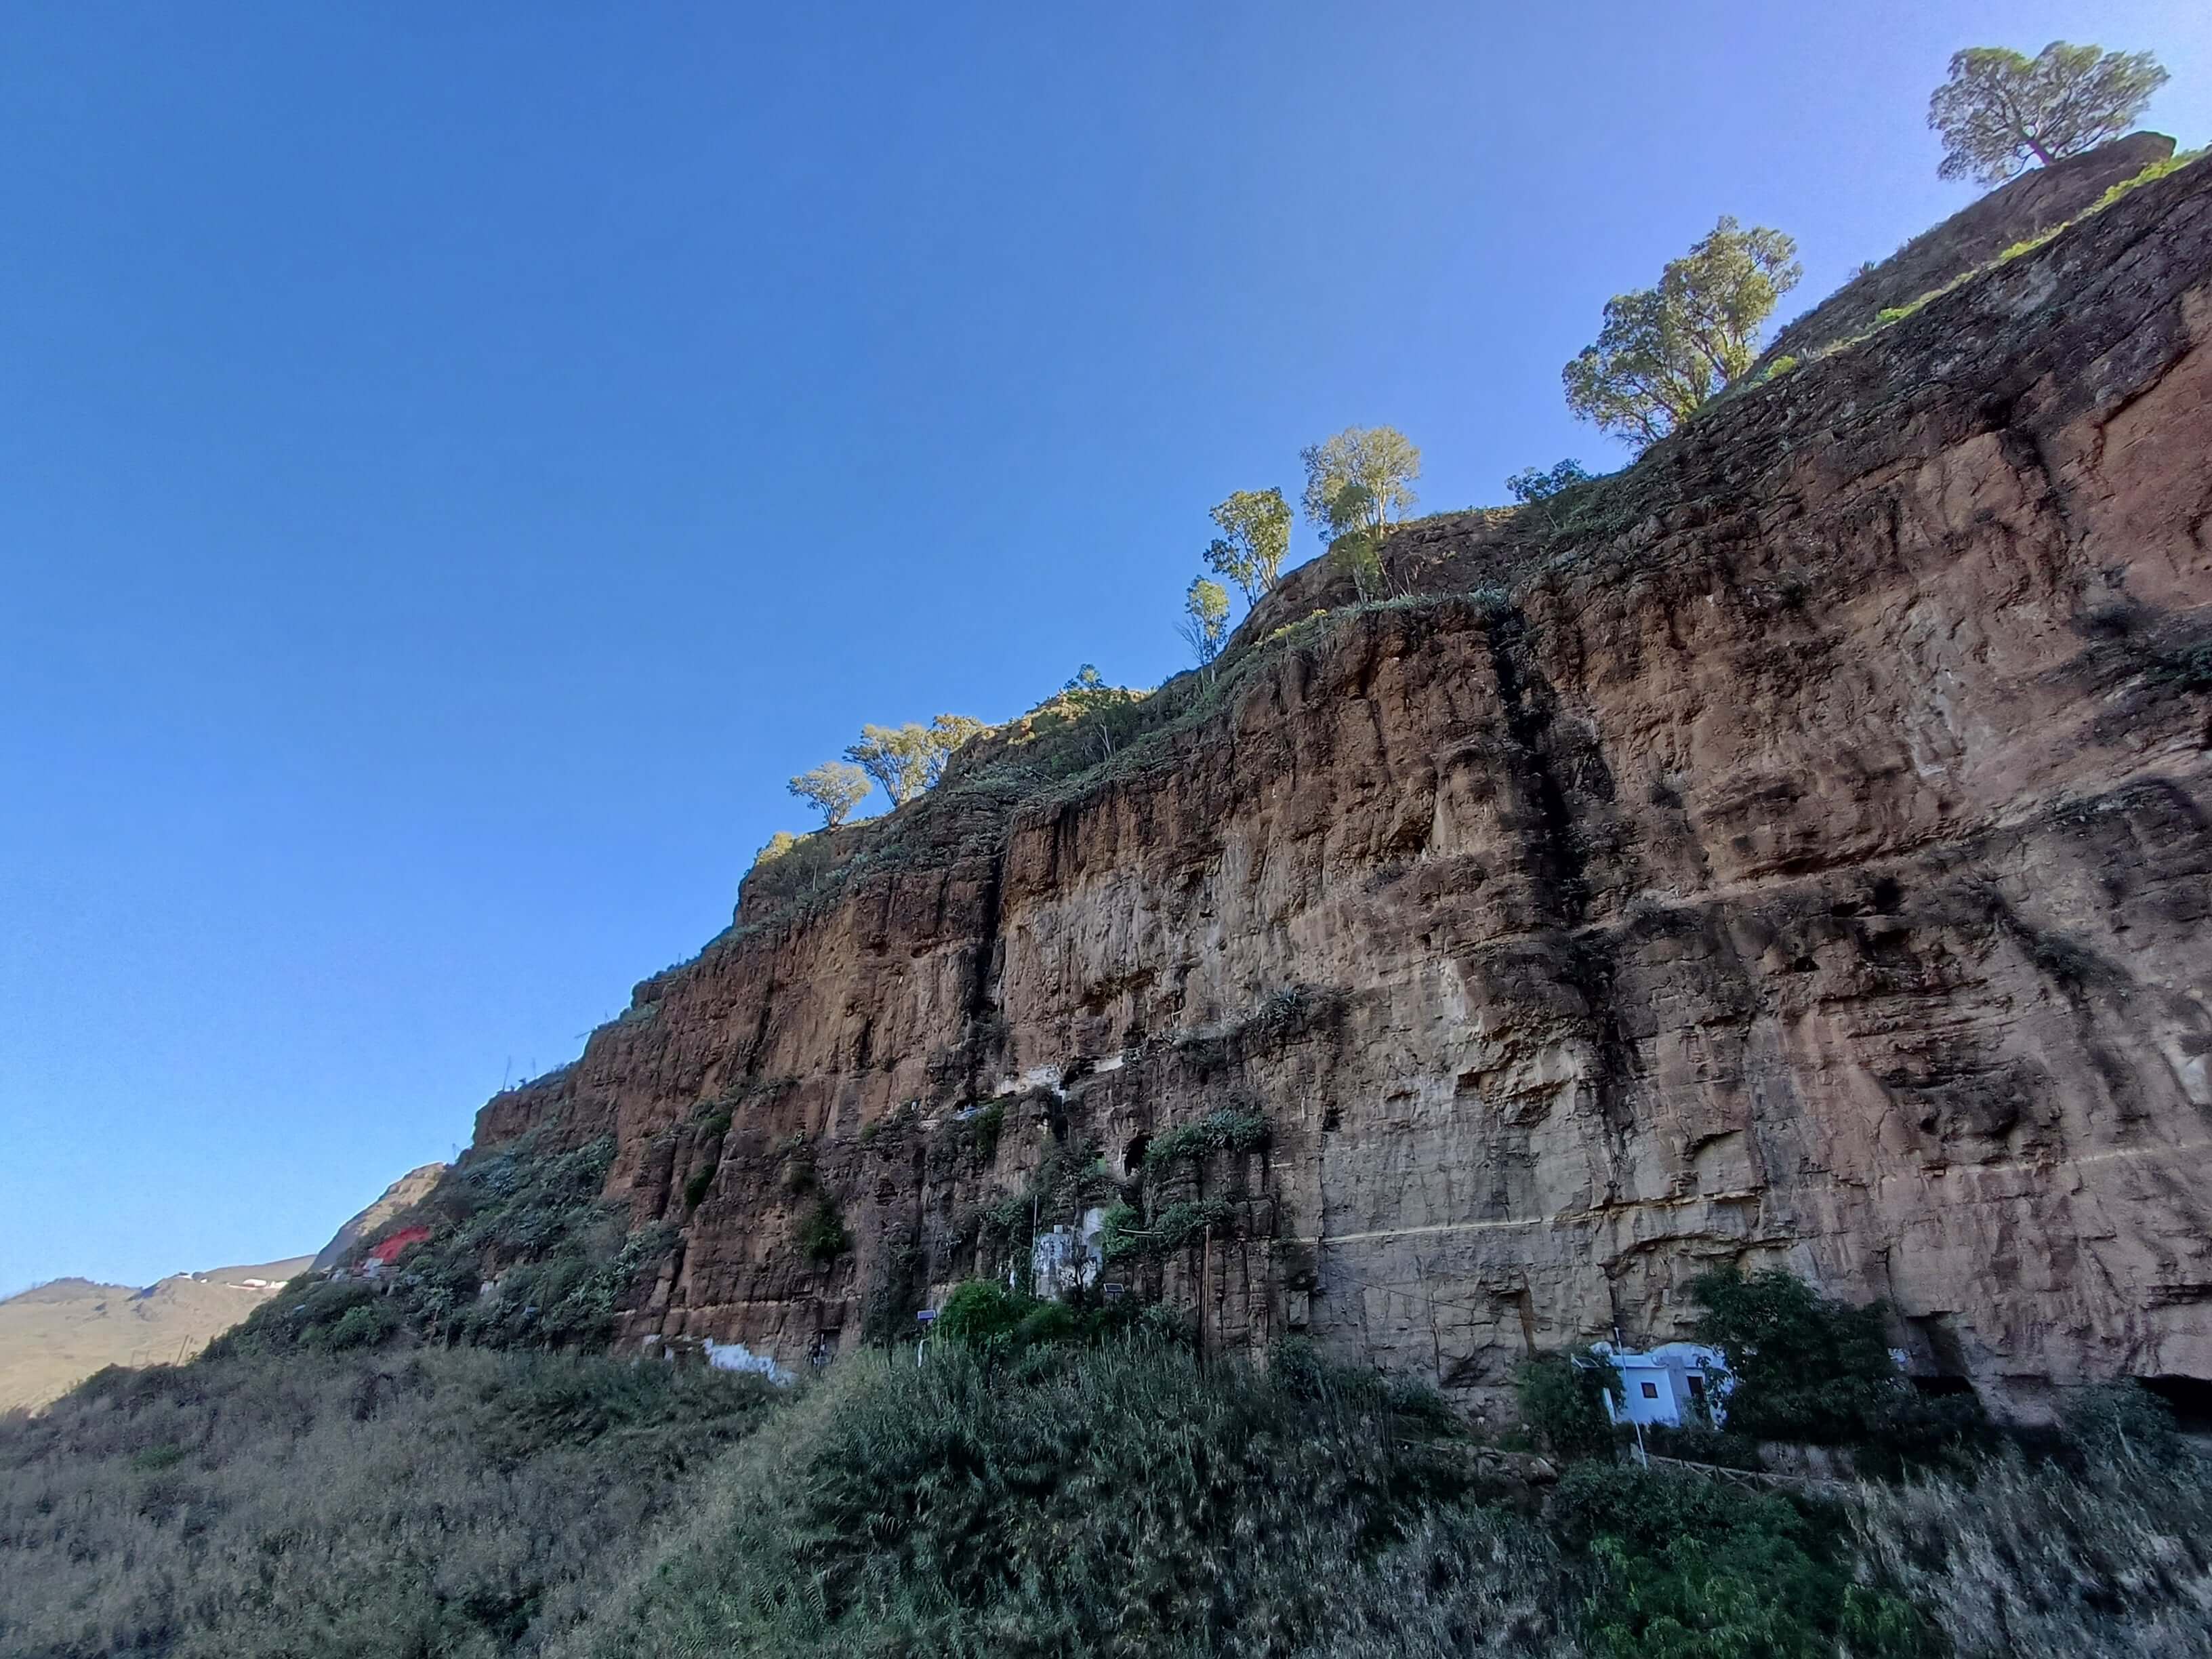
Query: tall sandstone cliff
[(1792, 851)]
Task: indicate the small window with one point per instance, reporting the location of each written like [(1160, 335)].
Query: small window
[(1697, 1386), (1650, 1390)]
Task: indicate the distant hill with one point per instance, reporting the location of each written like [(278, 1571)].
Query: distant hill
[(54, 1335)]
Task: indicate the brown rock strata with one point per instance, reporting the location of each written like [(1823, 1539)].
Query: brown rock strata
[(1797, 853)]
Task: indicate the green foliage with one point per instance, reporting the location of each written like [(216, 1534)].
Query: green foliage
[(1356, 554), (1086, 1501), (1665, 350), (781, 843), (911, 758), (834, 788), (1224, 1129), (696, 1189), (1255, 536), (2000, 110), (1536, 483), (2122, 1421), (1176, 1226), (1360, 479), (1686, 1568), (1205, 625), (531, 1223), (1562, 1400), (822, 1234), (985, 1128), (980, 1311), (457, 1504), (1806, 1368)]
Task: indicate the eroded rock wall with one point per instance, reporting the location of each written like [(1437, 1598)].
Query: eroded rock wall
[(1794, 850)]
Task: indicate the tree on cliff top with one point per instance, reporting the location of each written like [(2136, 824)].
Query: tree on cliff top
[(2001, 110), (1362, 478), (1205, 625), (911, 758), (834, 788), (1536, 483), (1664, 350), (1256, 535)]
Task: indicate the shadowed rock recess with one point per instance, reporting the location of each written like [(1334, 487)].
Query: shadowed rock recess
[(1792, 851)]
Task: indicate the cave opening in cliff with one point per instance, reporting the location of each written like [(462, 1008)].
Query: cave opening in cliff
[(2189, 1398), (1132, 1155), (1935, 1386)]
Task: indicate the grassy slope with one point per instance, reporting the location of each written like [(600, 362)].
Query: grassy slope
[(1117, 1500), (444, 1502)]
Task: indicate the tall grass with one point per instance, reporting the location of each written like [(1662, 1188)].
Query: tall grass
[(453, 1504), (1109, 1500), (2034, 1561), (1118, 1501)]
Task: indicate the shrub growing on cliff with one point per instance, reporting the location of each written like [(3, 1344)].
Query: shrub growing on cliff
[(1806, 1367), (1224, 1129), (1536, 483), (822, 1234), (2000, 110), (530, 1223), (1683, 1568)]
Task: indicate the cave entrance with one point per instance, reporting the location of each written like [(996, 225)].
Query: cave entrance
[(1132, 1155), (1935, 1387), (2189, 1398)]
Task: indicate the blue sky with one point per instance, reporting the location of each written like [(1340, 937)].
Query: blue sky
[(456, 462)]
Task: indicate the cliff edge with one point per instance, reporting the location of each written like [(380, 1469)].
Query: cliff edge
[(1793, 850)]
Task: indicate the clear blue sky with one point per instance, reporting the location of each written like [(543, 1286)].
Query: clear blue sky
[(456, 462)]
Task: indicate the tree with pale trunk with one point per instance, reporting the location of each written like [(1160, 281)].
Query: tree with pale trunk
[(834, 788)]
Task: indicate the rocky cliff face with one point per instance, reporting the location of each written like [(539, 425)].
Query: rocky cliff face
[(1793, 850)]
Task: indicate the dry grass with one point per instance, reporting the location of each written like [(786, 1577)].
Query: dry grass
[(455, 1504), (2032, 1562)]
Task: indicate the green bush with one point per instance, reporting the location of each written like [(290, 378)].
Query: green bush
[(1562, 1399), (822, 1234), (1123, 1500), (1806, 1368), (984, 1129), (2117, 1422), (1684, 1567), (1218, 1131), (696, 1189), (2114, 1559), (531, 1223)]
